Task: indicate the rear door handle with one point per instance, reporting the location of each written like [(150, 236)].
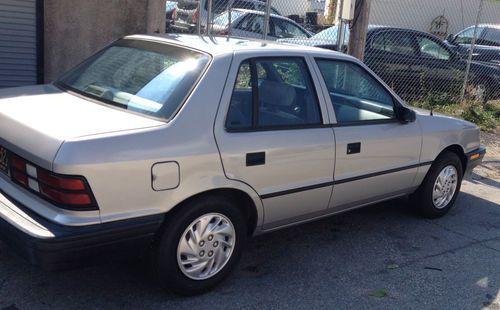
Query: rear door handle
[(256, 159), (353, 148)]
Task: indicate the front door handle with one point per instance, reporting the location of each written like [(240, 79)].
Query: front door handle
[(256, 159), (353, 148)]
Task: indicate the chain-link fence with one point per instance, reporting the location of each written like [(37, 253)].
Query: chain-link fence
[(427, 50)]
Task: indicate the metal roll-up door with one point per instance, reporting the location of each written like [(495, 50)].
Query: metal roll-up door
[(18, 43)]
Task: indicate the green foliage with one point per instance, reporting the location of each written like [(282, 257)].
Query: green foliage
[(486, 116)]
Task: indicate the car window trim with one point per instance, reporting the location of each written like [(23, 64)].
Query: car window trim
[(255, 99), (395, 103)]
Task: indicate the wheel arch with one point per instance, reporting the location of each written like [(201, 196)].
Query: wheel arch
[(239, 197), (459, 151)]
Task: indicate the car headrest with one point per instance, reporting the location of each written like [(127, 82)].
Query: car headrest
[(276, 93)]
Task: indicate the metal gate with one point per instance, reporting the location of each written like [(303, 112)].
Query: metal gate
[(20, 42)]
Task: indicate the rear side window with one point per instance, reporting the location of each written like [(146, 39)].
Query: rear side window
[(286, 29), (145, 77), (273, 93), (356, 96)]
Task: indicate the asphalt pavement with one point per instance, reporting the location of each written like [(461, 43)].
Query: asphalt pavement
[(379, 257)]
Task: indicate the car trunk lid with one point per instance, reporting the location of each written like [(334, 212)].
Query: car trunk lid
[(36, 120)]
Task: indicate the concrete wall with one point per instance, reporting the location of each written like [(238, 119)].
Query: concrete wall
[(75, 29), (420, 14)]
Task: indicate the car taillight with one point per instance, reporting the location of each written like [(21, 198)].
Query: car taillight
[(69, 192)]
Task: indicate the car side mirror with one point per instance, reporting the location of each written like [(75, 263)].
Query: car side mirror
[(406, 115)]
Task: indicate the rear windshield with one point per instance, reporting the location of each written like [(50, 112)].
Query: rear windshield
[(148, 78)]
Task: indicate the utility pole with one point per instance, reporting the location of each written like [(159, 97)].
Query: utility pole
[(359, 28)]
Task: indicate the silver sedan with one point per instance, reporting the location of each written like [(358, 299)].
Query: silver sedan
[(184, 146)]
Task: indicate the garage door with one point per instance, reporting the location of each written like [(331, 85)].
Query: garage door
[(18, 42)]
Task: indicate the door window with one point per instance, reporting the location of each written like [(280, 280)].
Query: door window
[(355, 94), (491, 37), (252, 23), (465, 37), (431, 49), (273, 93), (286, 29), (394, 42)]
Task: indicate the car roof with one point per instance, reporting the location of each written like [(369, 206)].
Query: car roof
[(496, 26), (221, 45)]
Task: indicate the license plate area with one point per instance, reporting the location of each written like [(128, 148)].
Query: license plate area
[(4, 160)]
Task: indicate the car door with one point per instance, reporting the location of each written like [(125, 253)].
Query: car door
[(377, 156), (391, 54), (439, 70), (272, 135)]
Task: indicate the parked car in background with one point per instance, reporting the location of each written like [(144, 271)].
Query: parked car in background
[(186, 146), (324, 39), (250, 24), (415, 63), (188, 13), (487, 45)]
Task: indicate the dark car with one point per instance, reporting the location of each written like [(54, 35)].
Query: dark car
[(487, 45), (415, 64)]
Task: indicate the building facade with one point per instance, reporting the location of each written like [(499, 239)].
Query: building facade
[(42, 39)]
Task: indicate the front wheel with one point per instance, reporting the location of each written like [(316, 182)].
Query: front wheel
[(441, 186), (200, 245)]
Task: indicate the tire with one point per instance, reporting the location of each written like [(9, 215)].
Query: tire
[(189, 280), (431, 206)]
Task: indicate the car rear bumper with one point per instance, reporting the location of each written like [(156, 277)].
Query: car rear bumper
[(55, 247), (474, 158)]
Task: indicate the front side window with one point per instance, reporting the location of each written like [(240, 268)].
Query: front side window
[(356, 95), (465, 37), (145, 77), (431, 49), (273, 93)]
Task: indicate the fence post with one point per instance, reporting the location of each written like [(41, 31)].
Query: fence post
[(266, 19), (340, 33), (198, 22), (359, 28), (209, 18), (471, 51), (229, 18)]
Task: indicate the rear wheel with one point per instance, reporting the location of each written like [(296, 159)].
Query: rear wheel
[(441, 186), (200, 245)]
